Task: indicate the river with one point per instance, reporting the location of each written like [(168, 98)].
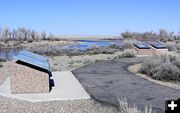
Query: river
[(8, 53)]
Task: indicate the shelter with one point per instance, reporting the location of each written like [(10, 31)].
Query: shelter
[(158, 48), (30, 73), (142, 48)]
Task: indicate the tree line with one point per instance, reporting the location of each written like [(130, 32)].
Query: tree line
[(23, 34), (162, 35)]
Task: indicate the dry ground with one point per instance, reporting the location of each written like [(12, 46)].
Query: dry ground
[(62, 63), (49, 43), (79, 106)]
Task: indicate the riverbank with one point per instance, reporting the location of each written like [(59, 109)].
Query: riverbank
[(25, 44)]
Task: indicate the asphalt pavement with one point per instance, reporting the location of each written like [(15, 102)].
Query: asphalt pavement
[(106, 81)]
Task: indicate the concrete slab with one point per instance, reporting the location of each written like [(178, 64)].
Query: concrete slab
[(67, 87)]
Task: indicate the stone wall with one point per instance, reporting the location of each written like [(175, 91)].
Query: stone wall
[(25, 79)]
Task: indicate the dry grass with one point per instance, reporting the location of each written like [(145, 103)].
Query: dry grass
[(127, 53), (61, 63), (126, 108), (47, 43)]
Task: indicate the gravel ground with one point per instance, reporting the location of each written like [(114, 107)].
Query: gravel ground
[(79, 106), (27, 79)]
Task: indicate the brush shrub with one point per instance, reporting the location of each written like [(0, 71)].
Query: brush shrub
[(165, 68), (125, 107), (58, 50), (100, 51), (113, 46), (126, 45), (166, 72), (148, 65), (171, 46), (127, 53), (177, 63)]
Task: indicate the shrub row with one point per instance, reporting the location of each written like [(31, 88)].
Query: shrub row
[(172, 46), (165, 68), (162, 36), (54, 50)]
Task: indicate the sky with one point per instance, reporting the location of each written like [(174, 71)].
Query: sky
[(91, 17)]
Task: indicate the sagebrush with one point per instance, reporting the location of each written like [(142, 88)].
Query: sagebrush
[(165, 68), (127, 53), (124, 107)]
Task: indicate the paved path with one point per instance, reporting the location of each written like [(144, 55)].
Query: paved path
[(107, 80)]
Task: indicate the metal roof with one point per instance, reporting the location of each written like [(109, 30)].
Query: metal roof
[(31, 58), (30, 54), (142, 45), (158, 45)]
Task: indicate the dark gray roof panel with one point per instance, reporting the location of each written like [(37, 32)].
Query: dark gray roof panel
[(158, 45), (142, 45), (33, 61), (30, 54)]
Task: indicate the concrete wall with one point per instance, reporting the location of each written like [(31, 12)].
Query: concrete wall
[(25, 79), (151, 51), (143, 51), (159, 51)]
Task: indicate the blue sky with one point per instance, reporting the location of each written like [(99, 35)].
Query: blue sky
[(91, 17)]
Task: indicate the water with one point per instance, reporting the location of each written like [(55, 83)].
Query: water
[(8, 53), (83, 45)]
